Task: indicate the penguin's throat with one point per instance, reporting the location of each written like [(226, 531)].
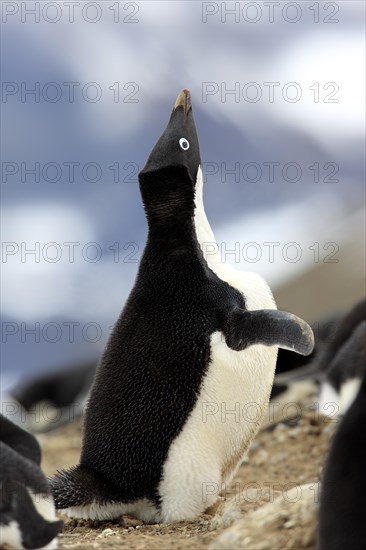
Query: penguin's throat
[(175, 213), (174, 234)]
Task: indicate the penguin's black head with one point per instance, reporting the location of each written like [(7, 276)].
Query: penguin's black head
[(178, 145), (167, 182)]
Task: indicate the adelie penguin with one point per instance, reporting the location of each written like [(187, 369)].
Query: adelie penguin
[(27, 511), (343, 363), (195, 335)]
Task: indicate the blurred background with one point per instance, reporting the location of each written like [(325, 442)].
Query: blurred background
[(88, 87)]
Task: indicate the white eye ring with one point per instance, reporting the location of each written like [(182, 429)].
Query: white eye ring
[(184, 143)]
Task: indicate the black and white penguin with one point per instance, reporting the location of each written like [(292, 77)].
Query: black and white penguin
[(342, 362), (343, 331), (294, 369), (197, 340), (344, 374), (27, 510), (342, 509), (337, 366)]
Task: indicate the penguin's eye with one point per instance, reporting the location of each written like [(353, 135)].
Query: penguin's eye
[(184, 143)]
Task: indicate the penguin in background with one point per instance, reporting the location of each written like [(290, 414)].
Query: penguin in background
[(342, 509), (27, 511), (65, 391), (343, 332), (60, 388), (338, 364), (195, 339), (343, 363), (344, 374), (296, 369)]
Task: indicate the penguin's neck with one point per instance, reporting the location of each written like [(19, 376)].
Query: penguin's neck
[(180, 222), (173, 236), (168, 197)]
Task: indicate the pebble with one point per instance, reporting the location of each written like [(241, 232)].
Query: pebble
[(254, 446), (251, 495), (289, 524), (294, 432), (281, 432), (129, 522), (106, 533), (261, 457), (277, 459)]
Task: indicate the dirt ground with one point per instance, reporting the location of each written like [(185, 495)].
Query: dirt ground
[(281, 457)]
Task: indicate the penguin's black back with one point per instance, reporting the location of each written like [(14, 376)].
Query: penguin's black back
[(342, 506), (154, 364)]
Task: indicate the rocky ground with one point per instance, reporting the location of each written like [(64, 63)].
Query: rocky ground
[(282, 458)]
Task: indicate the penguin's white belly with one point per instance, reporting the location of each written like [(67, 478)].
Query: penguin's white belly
[(219, 430)]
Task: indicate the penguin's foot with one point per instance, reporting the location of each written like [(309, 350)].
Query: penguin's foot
[(82, 493), (141, 510)]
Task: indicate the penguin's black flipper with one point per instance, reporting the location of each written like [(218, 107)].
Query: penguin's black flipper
[(269, 327), (80, 486)]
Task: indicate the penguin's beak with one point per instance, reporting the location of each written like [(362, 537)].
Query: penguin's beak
[(184, 100)]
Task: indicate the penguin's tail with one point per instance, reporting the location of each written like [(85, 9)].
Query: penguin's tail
[(81, 486)]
